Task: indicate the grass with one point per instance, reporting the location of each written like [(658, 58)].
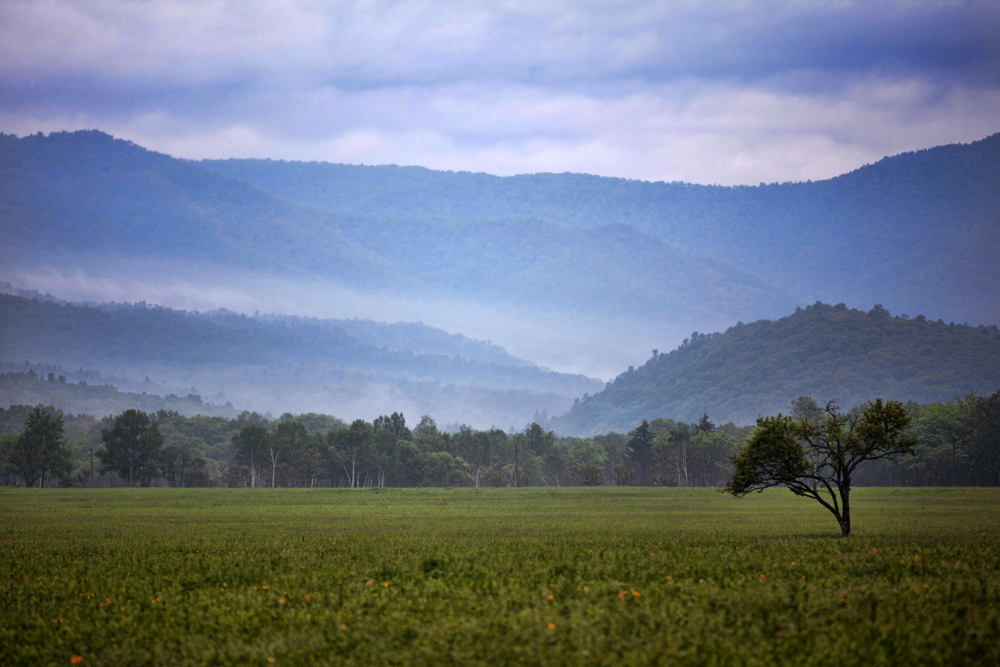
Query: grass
[(528, 577)]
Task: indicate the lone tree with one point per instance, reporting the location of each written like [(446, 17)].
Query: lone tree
[(816, 460)]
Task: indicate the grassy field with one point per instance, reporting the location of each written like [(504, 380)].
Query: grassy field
[(465, 576)]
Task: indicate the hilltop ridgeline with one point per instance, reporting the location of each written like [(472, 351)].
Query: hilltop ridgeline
[(919, 231), (827, 352)]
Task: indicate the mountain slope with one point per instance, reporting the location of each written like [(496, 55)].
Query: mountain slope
[(84, 208), (278, 364), (918, 231), (828, 352), (72, 193), (87, 193)]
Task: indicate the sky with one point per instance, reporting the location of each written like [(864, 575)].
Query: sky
[(704, 92)]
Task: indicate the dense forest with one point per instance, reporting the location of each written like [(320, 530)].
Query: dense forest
[(42, 446), (830, 352)]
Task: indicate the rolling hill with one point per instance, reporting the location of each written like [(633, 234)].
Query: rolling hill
[(279, 363), (827, 352), (572, 271)]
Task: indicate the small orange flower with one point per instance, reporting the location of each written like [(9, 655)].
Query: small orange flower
[(622, 594), (343, 626), (281, 601), (635, 593), (370, 582), (307, 597), (552, 597), (386, 585), (270, 660), (552, 626), (763, 577), (585, 589), (123, 608), (76, 660)]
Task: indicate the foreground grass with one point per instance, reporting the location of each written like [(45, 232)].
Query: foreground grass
[(465, 576)]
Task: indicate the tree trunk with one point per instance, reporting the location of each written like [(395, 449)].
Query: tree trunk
[(684, 460), (515, 464), (845, 512)]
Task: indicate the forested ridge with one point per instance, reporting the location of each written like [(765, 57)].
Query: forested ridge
[(828, 352), (281, 361), (41, 388), (86, 198), (86, 193), (130, 334), (932, 216)]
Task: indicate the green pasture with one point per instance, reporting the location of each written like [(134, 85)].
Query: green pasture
[(582, 576)]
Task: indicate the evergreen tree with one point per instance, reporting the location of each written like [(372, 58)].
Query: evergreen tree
[(640, 441)]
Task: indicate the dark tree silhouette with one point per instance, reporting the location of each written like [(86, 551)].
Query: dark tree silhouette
[(817, 460)]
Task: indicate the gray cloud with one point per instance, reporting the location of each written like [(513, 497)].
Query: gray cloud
[(709, 92)]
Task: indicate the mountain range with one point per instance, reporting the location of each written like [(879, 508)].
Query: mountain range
[(278, 364), (578, 273)]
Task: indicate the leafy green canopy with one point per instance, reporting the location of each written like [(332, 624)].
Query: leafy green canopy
[(131, 447), (817, 460)]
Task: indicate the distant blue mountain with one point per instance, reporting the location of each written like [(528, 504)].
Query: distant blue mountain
[(616, 263), (68, 195), (918, 232), (275, 363)]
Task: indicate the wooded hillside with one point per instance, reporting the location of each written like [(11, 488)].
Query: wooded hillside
[(827, 352)]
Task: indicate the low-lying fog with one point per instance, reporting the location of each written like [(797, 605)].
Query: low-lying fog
[(564, 341)]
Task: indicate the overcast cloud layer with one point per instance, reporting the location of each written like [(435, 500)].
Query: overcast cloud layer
[(736, 92)]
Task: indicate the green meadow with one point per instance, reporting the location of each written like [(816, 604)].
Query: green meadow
[(603, 576)]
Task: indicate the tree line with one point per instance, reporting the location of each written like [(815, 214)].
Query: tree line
[(958, 444)]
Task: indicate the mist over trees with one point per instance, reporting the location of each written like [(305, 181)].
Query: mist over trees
[(564, 257), (605, 259), (927, 215), (285, 363), (78, 195)]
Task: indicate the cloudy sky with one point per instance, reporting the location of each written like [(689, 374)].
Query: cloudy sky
[(728, 92)]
